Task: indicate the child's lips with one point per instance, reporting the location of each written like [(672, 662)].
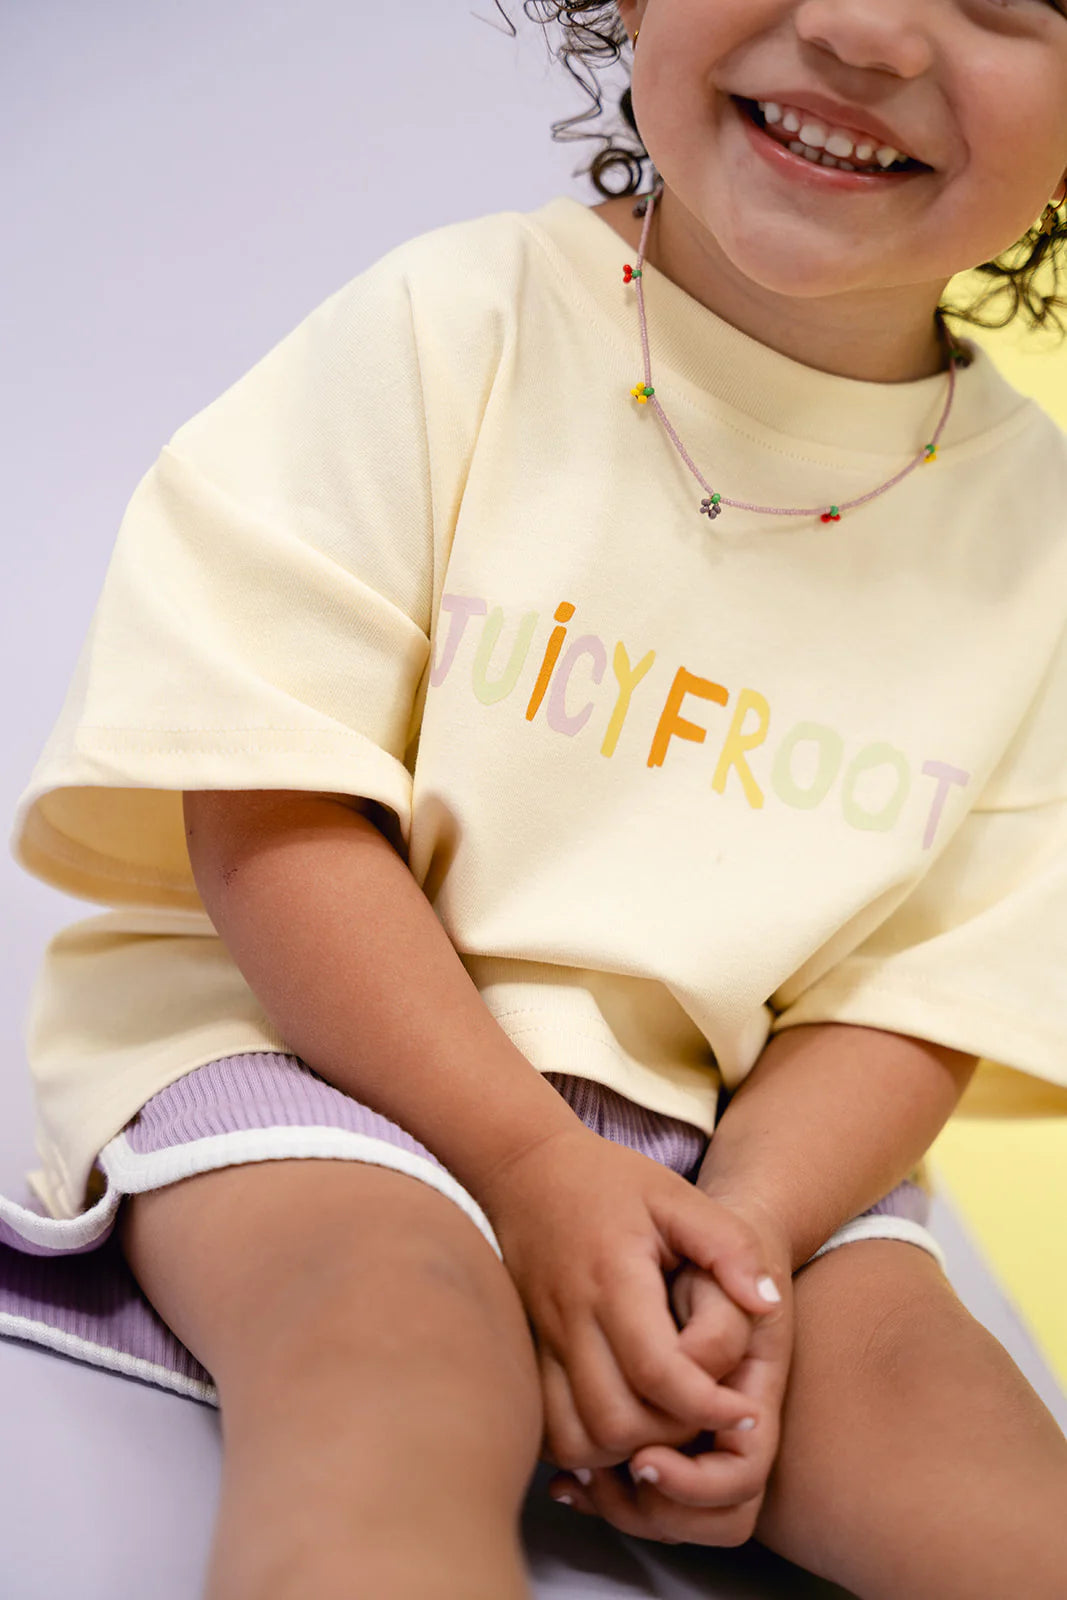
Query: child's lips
[(859, 127), (788, 162)]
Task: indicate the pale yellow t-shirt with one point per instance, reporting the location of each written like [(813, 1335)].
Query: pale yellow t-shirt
[(670, 784)]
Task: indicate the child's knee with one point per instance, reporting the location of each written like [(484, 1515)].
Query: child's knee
[(273, 1271)]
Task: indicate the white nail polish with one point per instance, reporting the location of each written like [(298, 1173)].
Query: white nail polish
[(583, 1475), (563, 1499), (746, 1422), (644, 1474), (767, 1289)]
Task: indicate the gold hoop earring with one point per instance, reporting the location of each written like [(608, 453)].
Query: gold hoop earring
[(633, 42)]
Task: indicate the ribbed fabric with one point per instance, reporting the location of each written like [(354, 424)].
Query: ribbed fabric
[(260, 1090), (65, 1285), (676, 1144), (92, 1308)]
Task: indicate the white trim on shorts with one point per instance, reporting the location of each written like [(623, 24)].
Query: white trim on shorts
[(883, 1227), (133, 1172), (106, 1357), (60, 1233)]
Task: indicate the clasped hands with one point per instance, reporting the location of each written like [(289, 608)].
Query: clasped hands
[(641, 1293)]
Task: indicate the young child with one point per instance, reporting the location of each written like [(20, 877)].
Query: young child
[(580, 725)]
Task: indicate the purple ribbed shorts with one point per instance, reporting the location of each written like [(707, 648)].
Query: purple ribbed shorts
[(65, 1284)]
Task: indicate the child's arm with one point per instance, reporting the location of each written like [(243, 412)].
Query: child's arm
[(357, 974), (350, 963), (831, 1117)]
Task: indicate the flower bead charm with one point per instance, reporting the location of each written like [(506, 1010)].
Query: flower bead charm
[(629, 273), (931, 452), (833, 515), (641, 392), (710, 506)]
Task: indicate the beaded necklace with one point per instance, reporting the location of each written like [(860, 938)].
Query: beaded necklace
[(714, 501)]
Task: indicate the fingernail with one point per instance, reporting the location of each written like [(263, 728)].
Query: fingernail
[(746, 1422), (644, 1474), (563, 1499), (767, 1289), (583, 1474)]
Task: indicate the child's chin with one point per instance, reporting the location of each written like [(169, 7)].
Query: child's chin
[(805, 270)]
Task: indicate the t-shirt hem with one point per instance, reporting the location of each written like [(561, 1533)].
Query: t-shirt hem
[(923, 1009)]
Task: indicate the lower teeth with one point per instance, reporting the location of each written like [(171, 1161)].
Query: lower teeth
[(820, 158)]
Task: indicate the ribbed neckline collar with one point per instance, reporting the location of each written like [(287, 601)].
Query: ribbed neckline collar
[(719, 365)]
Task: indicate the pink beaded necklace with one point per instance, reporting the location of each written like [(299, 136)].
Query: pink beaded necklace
[(714, 501)]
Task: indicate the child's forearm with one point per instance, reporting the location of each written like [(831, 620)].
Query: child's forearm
[(353, 968), (831, 1117)]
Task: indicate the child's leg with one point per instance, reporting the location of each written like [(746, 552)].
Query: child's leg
[(378, 1388), (915, 1459)]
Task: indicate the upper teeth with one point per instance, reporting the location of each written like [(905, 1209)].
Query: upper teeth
[(836, 142)]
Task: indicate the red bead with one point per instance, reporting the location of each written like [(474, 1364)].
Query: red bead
[(627, 273)]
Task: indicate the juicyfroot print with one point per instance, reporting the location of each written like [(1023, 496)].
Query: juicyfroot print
[(830, 775)]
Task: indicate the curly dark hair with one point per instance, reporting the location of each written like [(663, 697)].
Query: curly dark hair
[(593, 37)]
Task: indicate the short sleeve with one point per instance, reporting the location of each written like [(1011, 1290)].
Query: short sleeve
[(975, 955), (264, 619)]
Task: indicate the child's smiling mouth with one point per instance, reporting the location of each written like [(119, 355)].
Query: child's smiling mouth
[(800, 140)]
